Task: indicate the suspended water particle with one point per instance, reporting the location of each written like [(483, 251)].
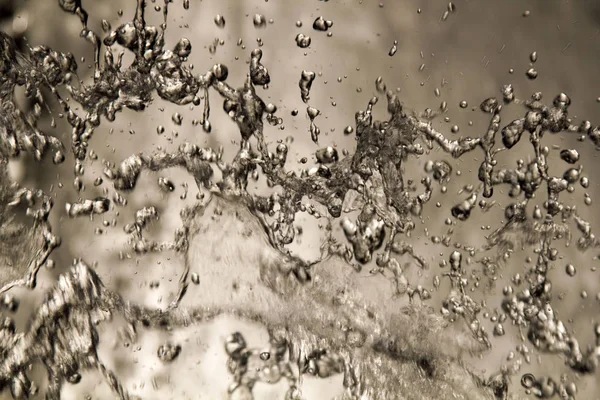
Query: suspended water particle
[(570, 270), (177, 118), (533, 57), (166, 184), (570, 156), (462, 210), (584, 182), (99, 205), (259, 21), (220, 21), (394, 49), (321, 24), (571, 175), (235, 344), (508, 94), (306, 81), (379, 85), (327, 155), (499, 330), (302, 41), (183, 48), (106, 27), (221, 71), (258, 72), (463, 104), (168, 352), (206, 126), (348, 130), (531, 73), (528, 381)]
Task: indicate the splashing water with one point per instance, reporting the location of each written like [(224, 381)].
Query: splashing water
[(323, 317)]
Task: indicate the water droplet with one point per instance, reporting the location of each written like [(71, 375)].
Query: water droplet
[(531, 73), (533, 57), (259, 21), (394, 49), (220, 21), (321, 24), (302, 41)]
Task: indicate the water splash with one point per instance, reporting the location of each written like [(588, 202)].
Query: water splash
[(321, 317)]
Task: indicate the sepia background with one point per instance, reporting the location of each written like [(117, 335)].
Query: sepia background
[(467, 56)]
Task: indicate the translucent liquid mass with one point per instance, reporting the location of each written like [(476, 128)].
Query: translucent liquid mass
[(385, 201)]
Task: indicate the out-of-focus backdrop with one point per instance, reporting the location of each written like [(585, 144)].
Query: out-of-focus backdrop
[(467, 56)]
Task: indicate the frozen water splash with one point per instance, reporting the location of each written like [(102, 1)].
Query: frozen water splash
[(322, 318)]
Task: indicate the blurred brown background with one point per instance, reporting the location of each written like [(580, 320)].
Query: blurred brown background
[(467, 56)]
